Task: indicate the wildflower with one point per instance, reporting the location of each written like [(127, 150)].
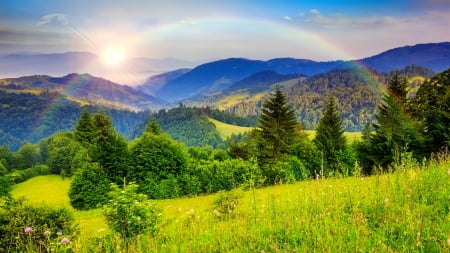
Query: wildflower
[(46, 233), (28, 229), (65, 240), (59, 233), (448, 241)]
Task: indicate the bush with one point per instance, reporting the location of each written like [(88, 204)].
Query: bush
[(35, 228), (225, 204), (20, 176), (89, 188), (131, 214)]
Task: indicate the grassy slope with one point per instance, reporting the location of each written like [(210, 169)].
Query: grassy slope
[(225, 130), (401, 212)]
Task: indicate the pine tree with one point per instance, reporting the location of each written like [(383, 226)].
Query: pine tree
[(277, 129), (330, 139), (84, 130), (395, 132), (431, 105)]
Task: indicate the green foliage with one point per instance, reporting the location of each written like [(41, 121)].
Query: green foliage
[(130, 214), (20, 176), (62, 149), (6, 158), (276, 132), (216, 175), (35, 228), (27, 156), (431, 105), (84, 129), (330, 139), (157, 161), (225, 204), (89, 188), (395, 131)]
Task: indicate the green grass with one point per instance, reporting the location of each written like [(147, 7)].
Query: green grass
[(226, 130), (406, 211)]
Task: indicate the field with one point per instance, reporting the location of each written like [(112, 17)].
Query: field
[(226, 130), (406, 211)]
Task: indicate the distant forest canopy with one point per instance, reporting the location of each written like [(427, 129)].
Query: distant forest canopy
[(30, 115)]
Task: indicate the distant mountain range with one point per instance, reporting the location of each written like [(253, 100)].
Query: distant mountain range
[(86, 89), (222, 74), (132, 72)]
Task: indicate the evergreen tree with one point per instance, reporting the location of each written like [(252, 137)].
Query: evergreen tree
[(330, 139), (84, 129), (277, 129), (394, 131), (110, 149), (432, 106)]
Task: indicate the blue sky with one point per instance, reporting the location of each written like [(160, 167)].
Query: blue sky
[(204, 30)]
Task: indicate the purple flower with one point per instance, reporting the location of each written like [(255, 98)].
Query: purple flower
[(65, 240), (28, 229)]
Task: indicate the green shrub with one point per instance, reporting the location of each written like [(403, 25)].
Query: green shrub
[(131, 214), (20, 176), (225, 204), (89, 188), (27, 227)]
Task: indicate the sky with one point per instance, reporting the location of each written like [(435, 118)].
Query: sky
[(203, 30)]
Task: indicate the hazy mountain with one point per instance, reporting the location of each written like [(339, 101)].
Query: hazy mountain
[(154, 83), (89, 89), (434, 56), (220, 75), (133, 71)]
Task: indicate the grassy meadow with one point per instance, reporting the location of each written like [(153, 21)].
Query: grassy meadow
[(405, 211), (226, 130)]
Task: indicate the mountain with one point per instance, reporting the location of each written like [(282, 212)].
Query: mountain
[(261, 81), (87, 88), (132, 71), (154, 83), (434, 56), (220, 75)]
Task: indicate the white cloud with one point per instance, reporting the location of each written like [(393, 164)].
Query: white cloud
[(287, 18), (59, 18), (314, 11)]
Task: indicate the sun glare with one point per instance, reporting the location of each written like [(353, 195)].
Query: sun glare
[(113, 56)]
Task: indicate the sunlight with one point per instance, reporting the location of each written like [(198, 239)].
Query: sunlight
[(113, 56)]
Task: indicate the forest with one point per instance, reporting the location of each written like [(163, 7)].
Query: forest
[(153, 165)]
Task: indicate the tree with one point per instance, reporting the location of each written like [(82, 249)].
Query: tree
[(62, 150), (156, 159), (395, 132), (84, 129), (431, 105), (277, 129), (89, 188), (110, 149), (330, 139), (27, 156)]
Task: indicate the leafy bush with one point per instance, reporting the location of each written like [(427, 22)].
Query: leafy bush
[(35, 228), (20, 176), (89, 188), (131, 214), (225, 204)]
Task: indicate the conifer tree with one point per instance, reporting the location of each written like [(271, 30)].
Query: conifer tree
[(277, 129), (394, 131), (330, 139), (431, 105), (84, 129)]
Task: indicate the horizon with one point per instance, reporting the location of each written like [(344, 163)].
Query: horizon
[(204, 31)]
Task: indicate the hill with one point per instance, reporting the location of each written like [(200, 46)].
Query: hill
[(87, 88)]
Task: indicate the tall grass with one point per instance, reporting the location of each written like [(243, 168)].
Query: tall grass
[(405, 211)]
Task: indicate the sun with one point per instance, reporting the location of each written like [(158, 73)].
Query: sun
[(113, 56)]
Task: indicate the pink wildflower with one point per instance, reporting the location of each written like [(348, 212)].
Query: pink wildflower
[(65, 240), (28, 229)]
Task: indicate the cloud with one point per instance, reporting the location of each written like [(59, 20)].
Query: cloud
[(58, 18), (314, 11), (287, 18)]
